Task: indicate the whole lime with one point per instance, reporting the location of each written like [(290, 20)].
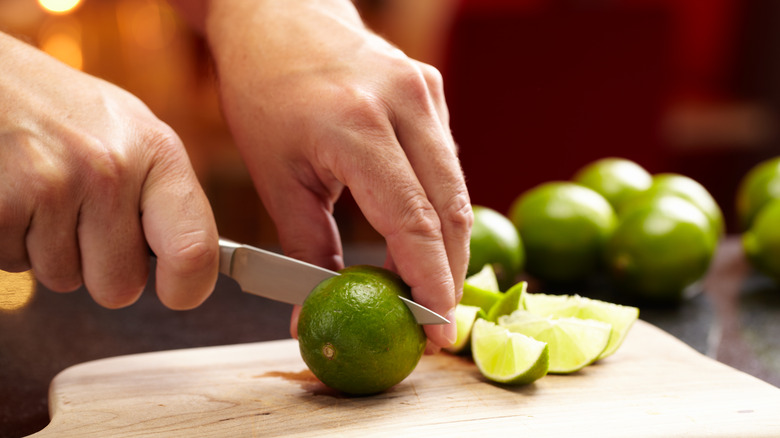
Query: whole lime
[(686, 188), (760, 185), (762, 241), (617, 179), (564, 227), (660, 248), (495, 241), (355, 333)]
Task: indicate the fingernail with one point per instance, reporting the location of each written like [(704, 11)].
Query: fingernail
[(450, 331)]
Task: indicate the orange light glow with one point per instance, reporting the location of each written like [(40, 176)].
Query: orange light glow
[(59, 6), (64, 47), (16, 289)]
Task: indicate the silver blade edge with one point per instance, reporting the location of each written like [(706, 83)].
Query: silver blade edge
[(288, 280)]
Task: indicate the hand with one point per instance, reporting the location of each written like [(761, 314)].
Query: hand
[(88, 176), (316, 103)]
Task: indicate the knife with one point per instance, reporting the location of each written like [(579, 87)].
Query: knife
[(281, 278)]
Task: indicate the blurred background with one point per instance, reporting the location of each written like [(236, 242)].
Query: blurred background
[(536, 88)]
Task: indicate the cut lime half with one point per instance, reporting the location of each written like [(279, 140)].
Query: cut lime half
[(620, 317), (506, 357), (574, 343)]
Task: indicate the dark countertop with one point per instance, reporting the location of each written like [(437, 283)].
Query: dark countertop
[(734, 321)]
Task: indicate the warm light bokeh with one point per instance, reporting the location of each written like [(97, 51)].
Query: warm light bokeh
[(16, 289), (62, 40), (64, 47), (59, 6)]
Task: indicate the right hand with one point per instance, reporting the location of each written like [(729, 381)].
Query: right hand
[(317, 103), (88, 178)]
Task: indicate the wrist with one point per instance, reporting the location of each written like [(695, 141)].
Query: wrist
[(232, 25)]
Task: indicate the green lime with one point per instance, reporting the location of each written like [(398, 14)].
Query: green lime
[(620, 317), (481, 289), (509, 302), (484, 279), (574, 343), (505, 357), (660, 248), (465, 316), (495, 241), (685, 187), (355, 333), (760, 185), (475, 296), (762, 241), (564, 227), (617, 179)]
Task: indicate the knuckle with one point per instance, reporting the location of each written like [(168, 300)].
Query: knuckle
[(163, 140), (433, 77), (363, 109), (418, 80), (43, 179), (457, 214), (105, 167), (193, 254), (51, 186), (166, 149), (419, 218)]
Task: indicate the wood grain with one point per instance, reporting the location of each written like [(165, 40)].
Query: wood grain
[(654, 386)]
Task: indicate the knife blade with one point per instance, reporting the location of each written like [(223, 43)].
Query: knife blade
[(281, 278)]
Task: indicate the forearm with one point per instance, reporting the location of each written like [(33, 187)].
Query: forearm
[(208, 16)]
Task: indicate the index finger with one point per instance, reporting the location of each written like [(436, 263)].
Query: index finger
[(393, 200), (179, 226)]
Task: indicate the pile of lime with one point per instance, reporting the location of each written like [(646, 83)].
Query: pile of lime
[(758, 210), (516, 337), (652, 236)]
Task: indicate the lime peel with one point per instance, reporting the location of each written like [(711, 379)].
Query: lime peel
[(506, 357), (509, 302), (619, 316), (481, 289), (573, 343)]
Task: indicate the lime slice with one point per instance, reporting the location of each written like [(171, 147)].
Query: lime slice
[(509, 302), (475, 296), (506, 357), (464, 319), (620, 317), (485, 279), (574, 343)]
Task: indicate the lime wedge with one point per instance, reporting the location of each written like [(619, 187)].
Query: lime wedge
[(510, 301), (506, 357), (574, 343), (464, 319), (482, 298), (620, 317), (481, 289), (485, 279)]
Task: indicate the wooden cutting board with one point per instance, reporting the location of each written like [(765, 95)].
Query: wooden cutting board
[(654, 386)]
